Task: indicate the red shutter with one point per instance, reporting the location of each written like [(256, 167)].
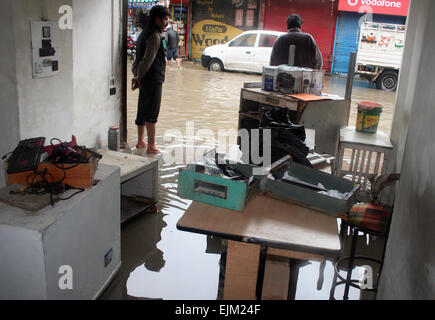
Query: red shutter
[(319, 18)]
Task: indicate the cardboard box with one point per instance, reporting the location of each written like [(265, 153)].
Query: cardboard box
[(270, 78), (292, 80), (316, 86), (77, 176)]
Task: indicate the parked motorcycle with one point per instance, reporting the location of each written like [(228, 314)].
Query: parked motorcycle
[(131, 48)]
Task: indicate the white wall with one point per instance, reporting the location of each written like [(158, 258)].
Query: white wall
[(409, 265), (76, 100), (46, 104), (94, 109), (9, 124), (415, 37)]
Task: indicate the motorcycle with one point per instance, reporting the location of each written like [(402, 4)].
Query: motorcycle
[(131, 48)]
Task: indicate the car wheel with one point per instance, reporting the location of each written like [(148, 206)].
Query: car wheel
[(215, 65), (387, 81)]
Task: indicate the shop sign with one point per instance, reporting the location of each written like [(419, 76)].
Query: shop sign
[(390, 7), (218, 21), (143, 4), (207, 33)]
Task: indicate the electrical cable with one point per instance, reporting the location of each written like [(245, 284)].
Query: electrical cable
[(40, 182)]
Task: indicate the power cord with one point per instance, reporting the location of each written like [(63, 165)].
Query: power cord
[(40, 182)]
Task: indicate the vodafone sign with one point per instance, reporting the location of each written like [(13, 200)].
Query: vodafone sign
[(391, 7)]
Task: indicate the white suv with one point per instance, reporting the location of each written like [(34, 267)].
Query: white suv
[(249, 51)]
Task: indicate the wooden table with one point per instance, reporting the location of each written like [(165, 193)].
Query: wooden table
[(266, 226)]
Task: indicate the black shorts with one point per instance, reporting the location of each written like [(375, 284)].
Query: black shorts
[(172, 54), (150, 97)]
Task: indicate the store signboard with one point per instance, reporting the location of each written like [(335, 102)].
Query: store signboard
[(390, 7), (143, 4), (218, 21)]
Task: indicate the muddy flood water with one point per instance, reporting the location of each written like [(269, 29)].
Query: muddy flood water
[(161, 262)]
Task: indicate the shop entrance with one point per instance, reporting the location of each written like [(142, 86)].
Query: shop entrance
[(132, 27)]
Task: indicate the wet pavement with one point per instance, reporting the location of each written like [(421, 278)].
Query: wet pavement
[(161, 262)]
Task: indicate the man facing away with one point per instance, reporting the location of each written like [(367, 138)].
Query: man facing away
[(307, 54), (149, 74), (172, 41)]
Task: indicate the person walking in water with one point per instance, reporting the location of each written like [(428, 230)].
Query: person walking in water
[(172, 41)]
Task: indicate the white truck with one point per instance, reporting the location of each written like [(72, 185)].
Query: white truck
[(379, 55)]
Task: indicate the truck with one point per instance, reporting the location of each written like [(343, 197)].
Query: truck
[(379, 54)]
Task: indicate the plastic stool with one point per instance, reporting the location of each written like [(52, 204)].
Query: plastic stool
[(348, 281)]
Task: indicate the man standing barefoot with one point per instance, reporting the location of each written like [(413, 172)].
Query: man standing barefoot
[(149, 74)]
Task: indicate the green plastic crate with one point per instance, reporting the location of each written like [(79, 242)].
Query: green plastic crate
[(215, 190), (309, 197), (226, 193)]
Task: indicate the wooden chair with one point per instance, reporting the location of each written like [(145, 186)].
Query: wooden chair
[(369, 153)]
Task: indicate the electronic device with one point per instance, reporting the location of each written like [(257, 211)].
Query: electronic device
[(26, 156)]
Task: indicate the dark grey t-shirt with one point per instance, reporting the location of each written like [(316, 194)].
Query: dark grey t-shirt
[(172, 39)]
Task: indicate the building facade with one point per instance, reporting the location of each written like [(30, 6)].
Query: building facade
[(351, 13)]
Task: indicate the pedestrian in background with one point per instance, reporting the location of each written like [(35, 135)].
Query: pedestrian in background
[(149, 74), (307, 54), (172, 41)]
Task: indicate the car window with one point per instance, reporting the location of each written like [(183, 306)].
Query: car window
[(247, 40), (267, 40)]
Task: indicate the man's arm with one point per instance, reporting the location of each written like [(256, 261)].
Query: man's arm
[(274, 56), (317, 56), (152, 46), (134, 68)]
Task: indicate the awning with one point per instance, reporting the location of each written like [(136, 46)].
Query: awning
[(145, 4)]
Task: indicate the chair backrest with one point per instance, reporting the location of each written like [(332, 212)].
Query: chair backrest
[(380, 183)]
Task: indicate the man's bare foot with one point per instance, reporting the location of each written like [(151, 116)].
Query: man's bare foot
[(141, 145), (154, 150)]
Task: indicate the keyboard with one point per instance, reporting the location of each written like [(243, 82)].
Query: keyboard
[(26, 155)]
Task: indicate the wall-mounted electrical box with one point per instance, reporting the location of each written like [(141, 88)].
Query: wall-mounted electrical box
[(45, 48), (112, 86)]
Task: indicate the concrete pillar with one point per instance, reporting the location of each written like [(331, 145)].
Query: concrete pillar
[(409, 265), (9, 123)]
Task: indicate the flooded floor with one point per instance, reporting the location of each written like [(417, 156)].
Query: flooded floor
[(161, 262)]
